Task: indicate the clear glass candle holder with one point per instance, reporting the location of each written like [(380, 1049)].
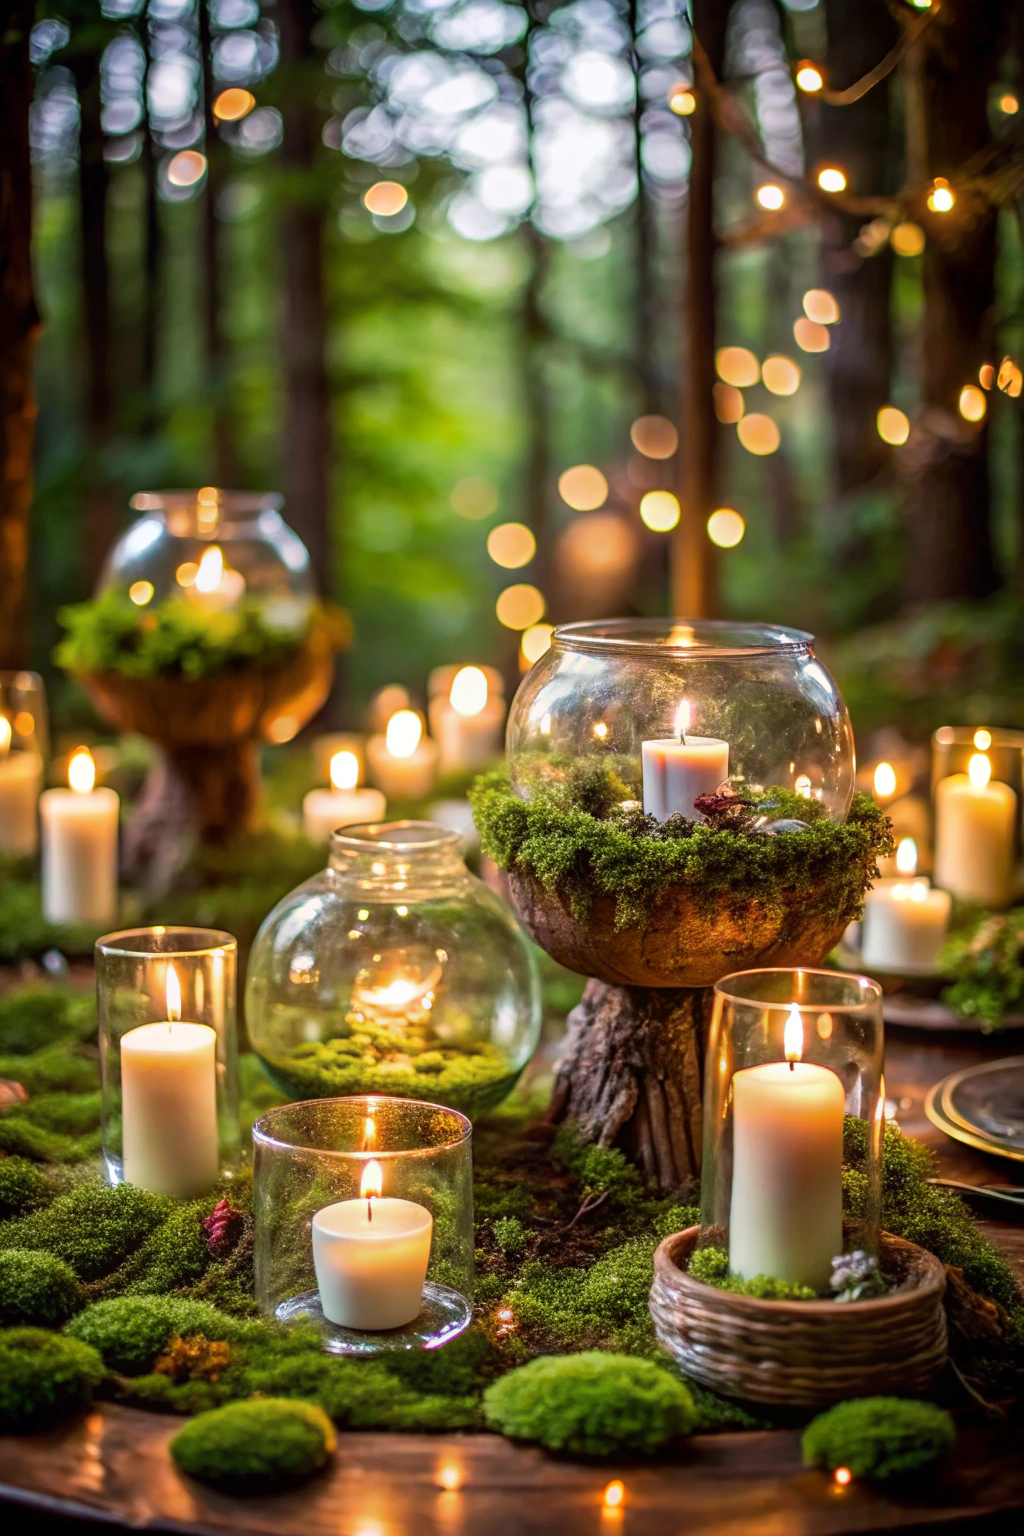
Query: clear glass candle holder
[(794, 1061), (364, 1221), (953, 746), (169, 1057), (24, 749)]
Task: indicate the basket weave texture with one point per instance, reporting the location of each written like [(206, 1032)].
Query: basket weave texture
[(804, 1353)]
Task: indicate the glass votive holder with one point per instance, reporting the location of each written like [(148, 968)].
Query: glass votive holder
[(792, 1054), (953, 746), (364, 1221), (169, 1057), (23, 753)]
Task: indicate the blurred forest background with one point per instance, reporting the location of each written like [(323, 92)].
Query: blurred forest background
[(410, 261)]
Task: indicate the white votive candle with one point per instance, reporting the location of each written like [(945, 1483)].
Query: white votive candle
[(786, 1215), (324, 810), (403, 762), (79, 873), (370, 1257), (467, 724), (21, 778), (975, 827), (904, 927), (678, 768)]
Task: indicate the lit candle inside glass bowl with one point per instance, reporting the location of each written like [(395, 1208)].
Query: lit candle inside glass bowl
[(343, 805), (21, 778), (676, 769), (403, 761), (371, 1257), (975, 827), (215, 586), (79, 825)]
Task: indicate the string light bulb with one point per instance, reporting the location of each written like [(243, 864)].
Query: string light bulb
[(737, 366), (820, 306), (385, 198), (907, 238), (973, 404), (726, 528), (809, 77), (810, 335), (781, 375), (771, 196), (758, 434), (831, 179), (893, 426), (659, 511), (941, 198)]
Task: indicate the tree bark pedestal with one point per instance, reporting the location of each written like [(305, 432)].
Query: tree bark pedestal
[(207, 797), (631, 1076)]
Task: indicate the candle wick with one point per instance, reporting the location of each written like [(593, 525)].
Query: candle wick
[(369, 1207), (792, 1066), (682, 737)]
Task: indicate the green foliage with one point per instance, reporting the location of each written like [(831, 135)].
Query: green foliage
[(131, 1331), (24, 931), (44, 1378), (711, 1267), (36, 1289), (510, 1235), (255, 1447), (599, 1169), (878, 1437), (593, 1404), (571, 851), (93, 1228), (23, 1187), (35, 1016), (985, 960), (604, 1304), (60, 1067)]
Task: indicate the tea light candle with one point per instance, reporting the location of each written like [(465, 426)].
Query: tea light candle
[(678, 768), (80, 847), (786, 1216), (216, 586), (467, 725), (21, 778), (371, 1256), (403, 762), (169, 1103), (975, 823), (323, 810)]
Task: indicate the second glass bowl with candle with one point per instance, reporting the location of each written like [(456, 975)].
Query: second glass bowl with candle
[(394, 971)]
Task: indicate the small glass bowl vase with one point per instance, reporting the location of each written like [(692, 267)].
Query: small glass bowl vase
[(23, 753), (168, 1057), (364, 1221), (394, 971), (792, 1054)]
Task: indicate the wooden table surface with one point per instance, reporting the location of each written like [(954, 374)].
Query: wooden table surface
[(113, 1464)]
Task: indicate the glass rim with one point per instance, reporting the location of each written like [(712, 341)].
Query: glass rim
[(21, 678), (644, 637), (217, 941), (370, 837), (871, 1001), (227, 502), (368, 1101)]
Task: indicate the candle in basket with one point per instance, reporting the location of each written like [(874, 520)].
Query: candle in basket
[(21, 777), (403, 761), (975, 826), (679, 768), (169, 1103), (343, 805), (786, 1216), (80, 847), (467, 724), (371, 1256)]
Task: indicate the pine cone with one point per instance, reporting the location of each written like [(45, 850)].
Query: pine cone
[(223, 1227)]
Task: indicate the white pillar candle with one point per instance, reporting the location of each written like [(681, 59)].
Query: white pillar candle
[(975, 826), (904, 927), (80, 848), (678, 768), (370, 1257), (169, 1103), (324, 810), (786, 1216), (403, 762), (467, 724), (21, 779)]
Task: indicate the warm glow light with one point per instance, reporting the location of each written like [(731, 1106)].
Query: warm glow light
[(654, 436), (385, 198), (831, 179), (536, 642), (771, 196), (344, 770), (583, 488), (820, 306), (614, 1494), (1010, 379), (893, 426), (600, 730), (81, 771), (186, 168), (758, 434), (810, 336), (449, 1476), (141, 592), (5, 735), (403, 733), (802, 785), (173, 991), (24, 723), (511, 545), (793, 1035), (809, 77), (737, 366), (369, 1133), (682, 101), (843, 1476), (941, 198), (729, 406), (972, 403), (1009, 104), (726, 528), (659, 511), (907, 239), (986, 375), (372, 1181), (979, 770), (906, 856), (186, 573), (520, 607), (781, 375), (210, 569), (233, 104), (885, 780), (468, 693), (683, 714), (982, 740)]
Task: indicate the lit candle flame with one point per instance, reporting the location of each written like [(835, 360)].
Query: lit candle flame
[(683, 721), (173, 996), (81, 771), (906, 857), (793, 1036), (5, 735), (403, 733), (885, 780), (979, 770), (370, 1185), (614, 1494), (211, 569), (344, 770), (843, 1476), (468, 693), (983, 740)]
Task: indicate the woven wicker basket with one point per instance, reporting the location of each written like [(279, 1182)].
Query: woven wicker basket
[(804, 1353)]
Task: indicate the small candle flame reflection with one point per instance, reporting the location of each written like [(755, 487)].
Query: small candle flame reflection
[(793, 1035)]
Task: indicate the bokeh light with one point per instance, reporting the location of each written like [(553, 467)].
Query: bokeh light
[(614, 1494), (758, 434), (810, 336), (682, 101), (344, 770), (831, 179), (1010, 379), (726, 528), (654, 436), (729, 403), (986, 375), (781, 375), (973, 404), (1009, 103), (584, 488), (659, 511), (885, 781), (385, 198), (186, 168), (737, 366), (511, 545), (809, 77), (520, 606), (893, 426), (907, 239), (233, 104), (771, 196), (536, 642), (186, 573), (141, 592), (403, 733), (820, 306), (941, 198), (468, 693), (474, 497)]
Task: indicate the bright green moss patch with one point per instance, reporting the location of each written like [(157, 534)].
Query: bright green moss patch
[(370, 1060), (34, 1016), (255, 1447), (711, 1267), (878, 1437), (131, 1331), (23, 1187), (44, 1378), (93, 1228), (36, 1289)]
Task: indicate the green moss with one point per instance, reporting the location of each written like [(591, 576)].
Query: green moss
[(36, 1289), (34, 1016), (24, 931), (604, 1304), (599, 1169), (93, 1228), (62, 1067), (174, 1256), (44, 1378), (983, 959), (711, 1267), (131, 1331), (23, 1187), (22, 1137), (367, 1061), (68, 1114), (255, 1447), (572, 851), (878, 1437), (510, 1235), (592, 1404)]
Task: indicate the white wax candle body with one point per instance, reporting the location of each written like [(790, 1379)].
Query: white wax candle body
[(904, 926), (403, 778), (323, 810), (370, 1272), (974, 839), (467, 742), (79, 855), (676, 772), (169, 1108), (21, 779), (786, 1217)]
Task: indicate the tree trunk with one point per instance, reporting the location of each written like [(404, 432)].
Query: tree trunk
[(19, 322), (536, 408), (631, 1076), (150, 287), (225, 459)]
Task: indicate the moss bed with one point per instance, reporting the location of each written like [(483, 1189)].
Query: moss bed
[(468, 1078), (565, 1239)]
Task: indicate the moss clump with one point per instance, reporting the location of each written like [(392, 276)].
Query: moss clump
[(368, 1060), (604, 1304), (591, 1404), (23, 1187), (35, 1016), (984, 962), (878, 1437), (93, 1228), (61, 1067), (44, 1378), (711, 1267), (131, 1331), (571, 851), (255, 1447), (36, 1289)]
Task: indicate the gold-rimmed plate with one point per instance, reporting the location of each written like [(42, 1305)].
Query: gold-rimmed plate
[(983, 1106)]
